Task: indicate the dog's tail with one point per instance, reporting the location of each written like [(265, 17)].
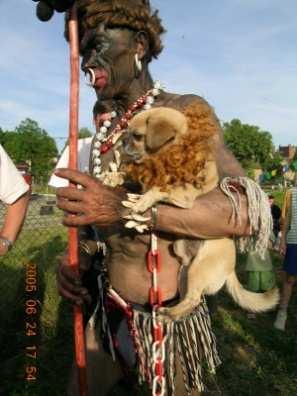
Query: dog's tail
[(251, 301)]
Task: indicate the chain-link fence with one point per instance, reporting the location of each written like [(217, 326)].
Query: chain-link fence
[(43, 226)]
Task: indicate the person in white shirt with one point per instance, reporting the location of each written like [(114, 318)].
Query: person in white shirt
[(13, 193), (83, 156)]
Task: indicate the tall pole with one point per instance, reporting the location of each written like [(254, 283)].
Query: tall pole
[(79, 342)]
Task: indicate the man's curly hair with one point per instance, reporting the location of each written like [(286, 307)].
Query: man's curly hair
[(135, 15)]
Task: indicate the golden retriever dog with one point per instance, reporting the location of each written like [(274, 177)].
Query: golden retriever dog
[(170, 154)]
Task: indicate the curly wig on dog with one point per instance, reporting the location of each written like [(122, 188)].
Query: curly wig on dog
[(132, 14), (184, 161)]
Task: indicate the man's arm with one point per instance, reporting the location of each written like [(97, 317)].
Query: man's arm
[(13, 221), (210, 217), (14, 193), (99, 205)]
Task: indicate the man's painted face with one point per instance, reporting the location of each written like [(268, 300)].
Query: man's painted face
[(109, 53)]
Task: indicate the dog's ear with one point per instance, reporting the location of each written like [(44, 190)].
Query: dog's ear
[(159, 132)]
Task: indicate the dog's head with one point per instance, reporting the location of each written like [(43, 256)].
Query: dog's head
[(151, 131)]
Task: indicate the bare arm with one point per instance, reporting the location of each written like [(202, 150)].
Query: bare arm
[(96, 204), (209, 217), (13, 221)]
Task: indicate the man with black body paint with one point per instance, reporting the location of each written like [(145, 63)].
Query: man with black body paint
[(113, 36)]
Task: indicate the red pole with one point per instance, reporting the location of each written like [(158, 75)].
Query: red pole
[(79, 340)]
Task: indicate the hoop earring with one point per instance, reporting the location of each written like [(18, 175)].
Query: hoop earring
[(90, 74), (138, 63)]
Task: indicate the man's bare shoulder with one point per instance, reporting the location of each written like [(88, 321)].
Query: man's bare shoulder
[(181, 101)]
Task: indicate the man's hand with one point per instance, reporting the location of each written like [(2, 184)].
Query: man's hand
[(69, 282), (94, 204)]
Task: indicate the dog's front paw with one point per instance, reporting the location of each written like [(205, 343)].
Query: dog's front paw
[(145, 202), (142, 205)]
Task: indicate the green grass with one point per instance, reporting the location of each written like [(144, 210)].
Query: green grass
[(53, 339), (257, 359)]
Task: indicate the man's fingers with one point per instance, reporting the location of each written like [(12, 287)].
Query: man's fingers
[(72, 286), (71, 291), (75, 221), (67, 272), (69, 283), (69, 206), (70, 193), (76, 294), (75, 177), (70, 296)]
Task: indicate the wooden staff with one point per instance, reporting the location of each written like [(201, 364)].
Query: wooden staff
[(79, 341)]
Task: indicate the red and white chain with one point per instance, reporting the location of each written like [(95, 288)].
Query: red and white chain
[(155, 299)]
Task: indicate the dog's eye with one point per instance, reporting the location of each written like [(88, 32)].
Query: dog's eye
[(137, 137)]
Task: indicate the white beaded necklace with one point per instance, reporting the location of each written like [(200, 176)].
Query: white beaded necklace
[(104, 142)]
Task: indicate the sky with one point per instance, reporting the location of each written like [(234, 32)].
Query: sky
[(240, 55)]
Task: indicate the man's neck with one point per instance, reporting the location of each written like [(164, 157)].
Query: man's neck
[(137, 88)]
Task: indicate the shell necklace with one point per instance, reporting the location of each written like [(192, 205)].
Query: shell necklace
[(103, 141)]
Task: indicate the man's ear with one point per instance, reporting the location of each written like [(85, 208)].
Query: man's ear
[(142, 44), (159, 132)]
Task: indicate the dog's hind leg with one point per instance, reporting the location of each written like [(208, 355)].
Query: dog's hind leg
[(185, 307)]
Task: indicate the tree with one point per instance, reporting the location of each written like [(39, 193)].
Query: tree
[(251, 146), (82, 134), (29, 143), (4, 135)]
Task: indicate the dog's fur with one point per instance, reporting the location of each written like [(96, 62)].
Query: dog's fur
[(172, 158)]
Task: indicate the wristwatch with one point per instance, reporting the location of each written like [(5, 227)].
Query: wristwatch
[(5, 242)]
